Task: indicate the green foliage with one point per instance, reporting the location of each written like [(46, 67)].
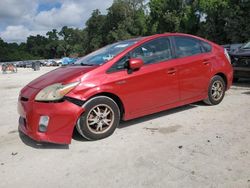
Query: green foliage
[(237, 26), (94, 31), (165, 15), (213, 27), (222, 21), (14, 52), (125, 19)]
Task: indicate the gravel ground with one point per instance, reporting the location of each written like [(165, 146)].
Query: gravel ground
[(190, 146)]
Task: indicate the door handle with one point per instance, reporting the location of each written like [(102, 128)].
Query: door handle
[(171, 71), (206, 62)]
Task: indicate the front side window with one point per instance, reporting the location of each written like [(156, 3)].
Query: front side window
[(186, 46), (154, 51), (120, 65)]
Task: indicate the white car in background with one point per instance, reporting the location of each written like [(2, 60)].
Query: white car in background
[(58, 61)]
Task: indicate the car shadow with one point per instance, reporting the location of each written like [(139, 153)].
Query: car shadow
[(40, 145), (123, 124), (76, 136), (246, 93)]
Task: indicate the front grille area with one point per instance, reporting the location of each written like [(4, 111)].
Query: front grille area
[(22, 121), (241, 61)]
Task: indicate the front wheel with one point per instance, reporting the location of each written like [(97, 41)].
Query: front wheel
[(216, 91), (100, 119)]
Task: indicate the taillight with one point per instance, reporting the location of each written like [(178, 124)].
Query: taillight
[(227, 56)]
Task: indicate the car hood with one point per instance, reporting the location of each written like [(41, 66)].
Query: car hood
[(241, 52), (60, 75)]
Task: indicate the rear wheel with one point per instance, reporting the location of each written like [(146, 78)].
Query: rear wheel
[(216, 90), (100, 119)]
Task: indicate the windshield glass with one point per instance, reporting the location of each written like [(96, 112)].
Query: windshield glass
[(106, 53), (246, 46)]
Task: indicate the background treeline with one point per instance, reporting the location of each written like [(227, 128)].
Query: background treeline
[(222, 21)]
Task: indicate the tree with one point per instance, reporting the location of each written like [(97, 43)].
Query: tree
[(214, 23), (95, 31), (222, 21), (165, 15), (237, 27), (125, 19), (3, 50), (36, 46), (72, 41), (53, 43)]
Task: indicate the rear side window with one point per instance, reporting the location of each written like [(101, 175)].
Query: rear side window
[(206, 47), (186, 46), (154, 51)]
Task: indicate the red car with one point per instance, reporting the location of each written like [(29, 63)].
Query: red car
[(124, 80)]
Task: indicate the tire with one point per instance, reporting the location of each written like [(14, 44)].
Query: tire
[(216, 91), (100, 119)]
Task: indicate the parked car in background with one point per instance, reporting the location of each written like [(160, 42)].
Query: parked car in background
[(124, 80), (50, 62), (241, 61), (58, 62), (68, 61), (42, 62), (231, 47), (8, 67), (47, 63), (21, 64), (28, 64), (18, 63)]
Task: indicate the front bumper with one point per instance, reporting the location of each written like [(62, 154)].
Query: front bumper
[(241, 72), (62, 119)]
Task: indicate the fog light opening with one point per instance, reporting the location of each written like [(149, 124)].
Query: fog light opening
[(43, 123)]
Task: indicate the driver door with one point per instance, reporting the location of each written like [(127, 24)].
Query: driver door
[(154, 85)]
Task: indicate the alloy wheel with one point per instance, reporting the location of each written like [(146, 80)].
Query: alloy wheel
[(217, 90), (100, 119)]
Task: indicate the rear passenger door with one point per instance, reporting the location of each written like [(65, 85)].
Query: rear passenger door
[(193, 67)]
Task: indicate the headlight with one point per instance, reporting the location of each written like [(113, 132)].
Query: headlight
[(55, 92)]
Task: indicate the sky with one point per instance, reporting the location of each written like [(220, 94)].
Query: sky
[(22, 18)]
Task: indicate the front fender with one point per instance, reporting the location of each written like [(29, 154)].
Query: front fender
[(87, 92)]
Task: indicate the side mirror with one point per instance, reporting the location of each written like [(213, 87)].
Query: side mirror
[(135, 63)]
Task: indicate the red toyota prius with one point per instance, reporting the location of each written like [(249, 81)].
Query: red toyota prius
[(124, 80)]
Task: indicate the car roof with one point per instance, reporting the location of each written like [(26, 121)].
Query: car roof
[(147, 38)]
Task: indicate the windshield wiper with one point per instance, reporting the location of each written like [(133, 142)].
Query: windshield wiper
[(85, 64)]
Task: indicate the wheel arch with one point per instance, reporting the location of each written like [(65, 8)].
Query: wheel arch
[(113, 97), (224, 77)]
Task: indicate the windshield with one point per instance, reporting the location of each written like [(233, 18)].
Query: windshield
[(246, 46), (106, 53)]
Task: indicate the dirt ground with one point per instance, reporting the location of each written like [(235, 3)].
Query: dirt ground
[(190, 146)]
